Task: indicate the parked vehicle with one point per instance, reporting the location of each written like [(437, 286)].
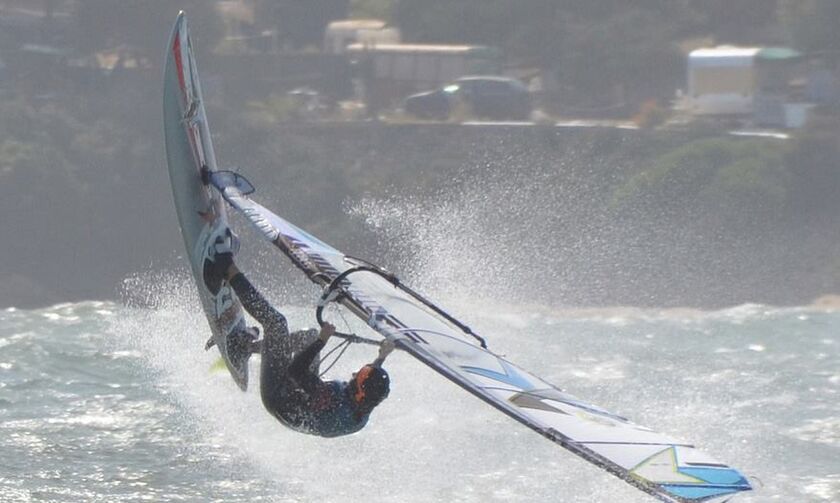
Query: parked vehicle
[(496, 98)]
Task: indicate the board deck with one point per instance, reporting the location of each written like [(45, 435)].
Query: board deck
[(201, 211)]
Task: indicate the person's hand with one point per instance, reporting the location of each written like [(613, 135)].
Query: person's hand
[(385, 348), (327, 331)]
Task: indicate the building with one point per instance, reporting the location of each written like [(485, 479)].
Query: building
[(722, 80), (368, 32), (765, 86)]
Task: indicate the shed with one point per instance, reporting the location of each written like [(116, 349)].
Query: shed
[(722, 80), (369, 32)]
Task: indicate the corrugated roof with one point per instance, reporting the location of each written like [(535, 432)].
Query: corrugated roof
[(358, 24), (725, 51), (723, 57), (420, 48)]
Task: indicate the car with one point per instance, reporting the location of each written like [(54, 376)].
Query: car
[(496, 98)]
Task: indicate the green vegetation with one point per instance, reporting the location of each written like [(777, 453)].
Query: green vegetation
[(95, 153), (732, 179), (814, 162), (81, 183), (105, 24), (376, 9), (812, 24), (301, 23), (738, 180)]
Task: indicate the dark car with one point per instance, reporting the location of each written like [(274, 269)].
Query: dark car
[(496, 98)]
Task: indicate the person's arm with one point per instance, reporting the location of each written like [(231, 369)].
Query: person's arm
[(385, 349)]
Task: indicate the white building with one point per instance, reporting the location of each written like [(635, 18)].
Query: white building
[(368, 32), (722, 80)]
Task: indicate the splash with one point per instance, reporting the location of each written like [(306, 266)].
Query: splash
[(502, 235), (405, 440)]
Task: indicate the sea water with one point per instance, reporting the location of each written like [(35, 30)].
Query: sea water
[(119, 402)]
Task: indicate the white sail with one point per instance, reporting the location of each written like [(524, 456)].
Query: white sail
[(662, 466)]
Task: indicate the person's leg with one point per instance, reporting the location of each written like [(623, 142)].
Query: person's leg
[(256, 305), (224, 243)]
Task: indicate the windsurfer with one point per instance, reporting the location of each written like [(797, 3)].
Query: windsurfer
[(290, 386)]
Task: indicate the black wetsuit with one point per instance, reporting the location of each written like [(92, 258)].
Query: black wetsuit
[(293, 394)]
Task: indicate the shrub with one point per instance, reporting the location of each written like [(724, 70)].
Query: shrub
[(651, 114), (718, 177), (814, 162)]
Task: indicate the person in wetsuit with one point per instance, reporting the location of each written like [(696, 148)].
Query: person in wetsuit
[(290, 387)]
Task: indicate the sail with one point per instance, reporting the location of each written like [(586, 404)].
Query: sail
[(664, 467)]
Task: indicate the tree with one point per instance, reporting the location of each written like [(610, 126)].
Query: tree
[(376, 9), (812, 24), (142, 24), (488, 22), (632, 48), (730, 180), (301, 23), (735, 21), (814, 160)]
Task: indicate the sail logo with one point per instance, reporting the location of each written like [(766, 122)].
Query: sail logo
[(510, 375)]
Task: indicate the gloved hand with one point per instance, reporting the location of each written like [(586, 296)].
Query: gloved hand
[(327, 331), (385, 349)]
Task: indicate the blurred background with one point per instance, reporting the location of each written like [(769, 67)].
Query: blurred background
[(658, 153), (531, 164)]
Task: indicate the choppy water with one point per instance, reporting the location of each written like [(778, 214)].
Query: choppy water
[(102, 402)]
